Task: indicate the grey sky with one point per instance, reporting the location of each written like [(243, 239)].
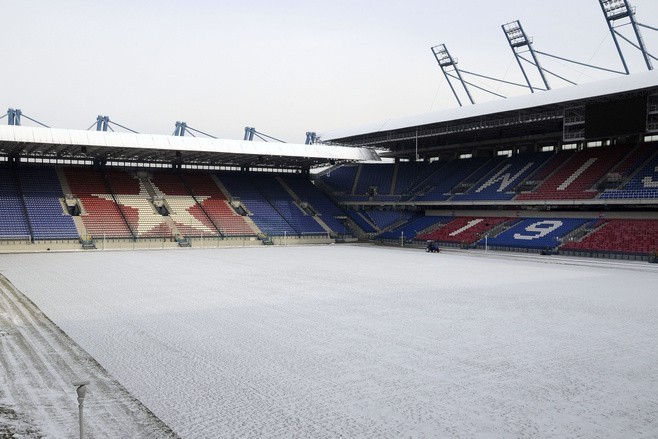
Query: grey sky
[(284, 67)]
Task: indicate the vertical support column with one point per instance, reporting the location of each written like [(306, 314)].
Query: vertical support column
[(14, 116), (181, 127), (249, 133), (102, 122)]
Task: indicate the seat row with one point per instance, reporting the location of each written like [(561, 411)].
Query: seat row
[(565, 175)]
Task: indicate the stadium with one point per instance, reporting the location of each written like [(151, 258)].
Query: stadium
[(209, 287), (530, 173)]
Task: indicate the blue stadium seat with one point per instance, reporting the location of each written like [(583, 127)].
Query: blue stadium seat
[(539, 233)]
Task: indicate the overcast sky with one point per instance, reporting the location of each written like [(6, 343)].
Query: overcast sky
[(284, 67)]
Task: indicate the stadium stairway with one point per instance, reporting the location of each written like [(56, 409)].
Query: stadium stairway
[(200, 205), (148, 186), (99, 212), (183, 208), (22, 204), (423, 178), (80, 227), (357, 176), (136, 204), (245, 225), (325, 208), (63, 183), (309, 210)]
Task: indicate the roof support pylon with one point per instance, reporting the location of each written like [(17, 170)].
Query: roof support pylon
[(102, 123), (311, 136), (249, 133), (14, 116), (181, 127)]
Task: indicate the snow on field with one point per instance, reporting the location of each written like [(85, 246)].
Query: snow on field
[(363, 342), (38, 366)]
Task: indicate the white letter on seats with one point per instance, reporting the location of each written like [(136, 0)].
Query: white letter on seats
[(468, 225), (541, 229), (648, 181)]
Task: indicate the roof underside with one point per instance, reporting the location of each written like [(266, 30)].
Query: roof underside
[(533, 117), (49, 143)]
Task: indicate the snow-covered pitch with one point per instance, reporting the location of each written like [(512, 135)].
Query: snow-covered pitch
[(363, 342)]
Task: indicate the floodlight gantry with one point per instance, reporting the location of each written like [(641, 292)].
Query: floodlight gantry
[(446, 61), (614, 10), (519, 43)]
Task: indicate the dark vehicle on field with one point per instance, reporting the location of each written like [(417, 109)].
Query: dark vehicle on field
[(432, 247)]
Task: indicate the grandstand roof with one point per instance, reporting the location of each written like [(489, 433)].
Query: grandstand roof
[(391, 133), (97, 145)]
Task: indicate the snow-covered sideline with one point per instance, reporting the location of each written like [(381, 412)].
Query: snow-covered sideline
[(362, 342)]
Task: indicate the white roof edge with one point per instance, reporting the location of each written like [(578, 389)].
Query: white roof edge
[(636, 81), (58, 136)]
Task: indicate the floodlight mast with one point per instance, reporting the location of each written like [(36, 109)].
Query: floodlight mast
[(446, 61), (518, 40), (617, 10)]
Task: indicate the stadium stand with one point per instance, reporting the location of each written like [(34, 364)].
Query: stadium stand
[(406, 174), (340, 178), (182, 207), (642, 185), (500, 182), (620, 235), (537, 233), (136, 205), (438, 185), (374, 178), (266, 217), (418, 182), (43, 198), (326, 209), (635, 158), (416, 225), (284, 204), (13, 218), (577, 175), (216, 206), (100, 214), (361, 221), (464, 230), (383, 219)]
